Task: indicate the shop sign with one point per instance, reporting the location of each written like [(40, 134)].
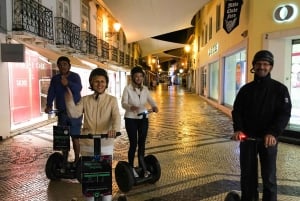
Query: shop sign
[(285, 13), (232, 10), (214, 49)]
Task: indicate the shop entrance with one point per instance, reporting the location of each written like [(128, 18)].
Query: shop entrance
[(295, 82)]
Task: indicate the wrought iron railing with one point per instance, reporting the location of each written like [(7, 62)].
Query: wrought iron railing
[(32, 17), (114, 53), (121, 57), (67, 33), (103, 49), (88, 43), (127, 59)]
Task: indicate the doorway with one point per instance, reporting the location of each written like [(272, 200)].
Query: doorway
[(295, 82)]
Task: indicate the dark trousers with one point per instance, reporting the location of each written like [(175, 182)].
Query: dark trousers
[(249, 152), (137, 130)]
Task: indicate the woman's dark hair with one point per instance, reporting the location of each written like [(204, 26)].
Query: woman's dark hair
[(98, 72), (136, 69)]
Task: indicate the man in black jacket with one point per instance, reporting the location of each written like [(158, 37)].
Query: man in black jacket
[(261, 110)]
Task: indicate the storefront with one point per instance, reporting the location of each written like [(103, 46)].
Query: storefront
[(224, 60), (28, 84)]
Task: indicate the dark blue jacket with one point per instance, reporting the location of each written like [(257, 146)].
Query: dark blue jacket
[(57, 91), (262, 107)]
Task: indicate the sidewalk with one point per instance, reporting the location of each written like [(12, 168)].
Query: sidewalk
[(189, 137)]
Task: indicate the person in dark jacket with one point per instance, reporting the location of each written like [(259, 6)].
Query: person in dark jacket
[(57, 89), (261, 110)]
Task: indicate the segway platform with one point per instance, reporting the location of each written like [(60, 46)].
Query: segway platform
[(96, 175)]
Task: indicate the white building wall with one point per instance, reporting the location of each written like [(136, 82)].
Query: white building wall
[(75, 12), (4, 101)]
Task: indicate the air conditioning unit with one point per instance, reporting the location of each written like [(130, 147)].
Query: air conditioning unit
[(12, 52)]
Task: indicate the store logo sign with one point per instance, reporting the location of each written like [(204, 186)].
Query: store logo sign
[(232, 11), (285, 13), (213, 50)]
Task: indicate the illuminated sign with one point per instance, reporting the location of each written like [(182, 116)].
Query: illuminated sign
[(214, 49), (285, 13)]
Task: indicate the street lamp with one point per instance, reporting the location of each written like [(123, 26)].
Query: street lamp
[(117, 27)]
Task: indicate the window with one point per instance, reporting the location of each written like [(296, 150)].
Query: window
[(218, 17), (214, 80), (85, 25), (63, 9), (234, 76), (210, 29), (206, 34)]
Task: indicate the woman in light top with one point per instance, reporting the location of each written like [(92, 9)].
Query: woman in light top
[(100, 113), (135, 98)]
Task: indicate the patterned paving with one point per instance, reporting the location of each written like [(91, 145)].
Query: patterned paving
[(189, 137)]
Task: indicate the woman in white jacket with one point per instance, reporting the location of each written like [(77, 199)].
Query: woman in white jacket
[(100, 113), (135, 97)]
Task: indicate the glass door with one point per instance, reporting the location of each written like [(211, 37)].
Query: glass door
[(295, 83)]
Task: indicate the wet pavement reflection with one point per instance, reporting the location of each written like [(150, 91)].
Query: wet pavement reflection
[(189, 137)]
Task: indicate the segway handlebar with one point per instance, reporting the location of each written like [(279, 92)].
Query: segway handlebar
[(55, 111), (145, 112), (93, 136), (243, 137)]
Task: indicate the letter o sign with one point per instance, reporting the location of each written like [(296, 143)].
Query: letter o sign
[(285, 13)]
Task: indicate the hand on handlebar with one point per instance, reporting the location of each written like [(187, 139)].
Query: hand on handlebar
[(48, 110), (112, 134), (155, 109), (238, 136), (270, 140)]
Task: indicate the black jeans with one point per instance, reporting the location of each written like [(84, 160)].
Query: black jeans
[(137, 130), (249, 152)]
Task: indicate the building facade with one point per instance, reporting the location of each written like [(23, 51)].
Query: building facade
[(34, 33), (229, 33)]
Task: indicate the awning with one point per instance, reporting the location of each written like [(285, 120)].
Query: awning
[(52, 56), (79, 61)]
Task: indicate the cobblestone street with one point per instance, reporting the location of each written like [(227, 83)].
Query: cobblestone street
[(189, 137)]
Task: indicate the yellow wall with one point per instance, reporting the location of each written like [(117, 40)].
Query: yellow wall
[(225, 41), (256, 17)]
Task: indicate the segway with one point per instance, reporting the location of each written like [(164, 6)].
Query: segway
[(57, 165), (236, 195), (233, 196), (124, 175), (96, 171)]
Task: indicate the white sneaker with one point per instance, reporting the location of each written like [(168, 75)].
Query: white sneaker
[(135, 174), (147, 174)]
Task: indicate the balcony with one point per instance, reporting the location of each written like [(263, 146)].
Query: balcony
[(67, 35), (103, 50), (31, 19), (121, 58), (127, 59), (88, 44), (114, 54)]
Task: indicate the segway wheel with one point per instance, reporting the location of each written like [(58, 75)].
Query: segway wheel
[(53, 166), (122, 198), (233, 196), (154, 167), (124, 176), (79, 170)]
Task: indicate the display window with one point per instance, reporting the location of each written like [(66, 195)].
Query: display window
[(234, 76), (214, 80), (295, 82)]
